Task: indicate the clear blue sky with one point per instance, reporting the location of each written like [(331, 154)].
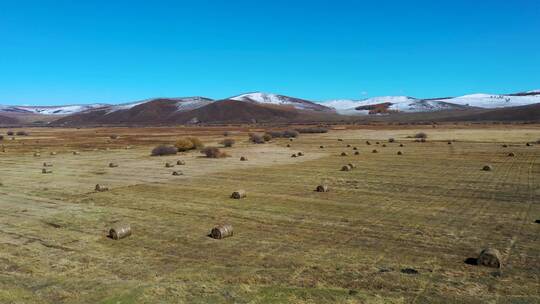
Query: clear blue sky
[(59, 52)]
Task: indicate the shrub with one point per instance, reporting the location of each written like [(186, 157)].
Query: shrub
[(184, 144), (114, 136), (22, 133), (188, 143), (10, 133), (256, 139), (283, 134), (197, 143), (391, 140), (164, 150), (420, 135), (213, 152), (229, 142), (267, 137), (290, 133), (312, 130)]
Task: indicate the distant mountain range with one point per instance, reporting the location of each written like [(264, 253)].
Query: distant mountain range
[(263, 107)]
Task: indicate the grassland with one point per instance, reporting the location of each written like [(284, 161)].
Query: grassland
[(428, 209)]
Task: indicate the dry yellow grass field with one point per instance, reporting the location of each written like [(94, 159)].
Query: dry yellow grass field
[(429, 210)]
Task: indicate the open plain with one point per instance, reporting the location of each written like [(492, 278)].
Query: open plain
[(396, 229)]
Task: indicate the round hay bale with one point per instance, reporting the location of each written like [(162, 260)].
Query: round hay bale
[(449, 142), (300, 154), (351, 165), (119, 231), (356, 153), (528, 144), (399, 153), (322, 188), (53, 153), (76, 153), (180, 162), (100, 188), (511, 154), (384, 145), (487, 168), (46, 171), (346, 168), (288, 146), (176, 173), (490, 257), (243, 158), (377, 143), (221, 231), (401, 145), (505, 146), (368, 143), (113, 165), (348, 145), (37, 154), (169, 165), (355, 148), (374, 151), (344, 154), (47, 164), (294, 155), (321, 147), (238, 194), (339, 139), (391, 140)]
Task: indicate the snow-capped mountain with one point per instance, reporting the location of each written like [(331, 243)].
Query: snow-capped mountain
[(396, 104), (280, 100), (51, 110), (182, 103)]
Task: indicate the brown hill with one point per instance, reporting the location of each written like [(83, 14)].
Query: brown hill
[(6, 120)]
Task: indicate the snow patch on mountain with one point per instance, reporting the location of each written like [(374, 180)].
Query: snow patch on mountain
[(51, 110), (492, 101), (275, 99)]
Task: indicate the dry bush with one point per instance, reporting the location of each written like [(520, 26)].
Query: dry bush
[(196, 142), (10, 133), (391, 140), (256, 139), (184, 144), (213, 152), (420, 135), (229, 142), (22, 133), (164, 150), (312, 130)]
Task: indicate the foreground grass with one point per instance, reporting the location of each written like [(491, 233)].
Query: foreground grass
[(429, 210)]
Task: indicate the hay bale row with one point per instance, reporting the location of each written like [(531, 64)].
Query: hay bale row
[(239, 194), (490, 257), (322, 188), (348, 167), (100, 188), (119, 231), (222, 231)]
